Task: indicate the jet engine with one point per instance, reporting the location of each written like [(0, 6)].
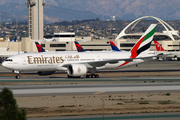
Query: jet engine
[(45, 72), (76, 70)]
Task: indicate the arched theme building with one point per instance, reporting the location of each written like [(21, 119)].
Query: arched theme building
[(169, 38)]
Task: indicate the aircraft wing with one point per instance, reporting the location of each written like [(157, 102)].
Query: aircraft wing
[(100, 63), (164, 54), (114, 61)]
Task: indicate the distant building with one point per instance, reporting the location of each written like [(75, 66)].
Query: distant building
[(64, 37), (60, 37)]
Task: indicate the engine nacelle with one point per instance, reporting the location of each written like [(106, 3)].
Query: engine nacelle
[(76, 70), (45, 72)]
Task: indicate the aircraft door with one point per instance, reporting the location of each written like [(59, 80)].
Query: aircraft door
[(23, 61)]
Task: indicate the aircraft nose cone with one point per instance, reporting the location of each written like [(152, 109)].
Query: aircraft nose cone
[(4, 64)]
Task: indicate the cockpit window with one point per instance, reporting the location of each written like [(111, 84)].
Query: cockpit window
[(9, 60)]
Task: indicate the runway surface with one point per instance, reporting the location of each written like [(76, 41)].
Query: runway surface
[(145, 116), (83, 89), (65, 79)]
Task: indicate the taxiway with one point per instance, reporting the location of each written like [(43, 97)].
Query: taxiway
[(83, 89)]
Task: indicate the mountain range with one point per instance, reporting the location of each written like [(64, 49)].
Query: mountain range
[(59, 10)]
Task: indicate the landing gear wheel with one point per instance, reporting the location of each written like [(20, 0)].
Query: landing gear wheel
[(96, 76), (92, 76), (17, 76), (87, 76), (69, 76)]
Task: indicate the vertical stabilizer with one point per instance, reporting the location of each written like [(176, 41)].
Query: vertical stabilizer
[(39, 47), (113, 46), (158, 46), (78, 47), (14, 40), (144, 43)]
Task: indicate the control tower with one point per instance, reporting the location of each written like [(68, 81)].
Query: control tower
[(35, 19)]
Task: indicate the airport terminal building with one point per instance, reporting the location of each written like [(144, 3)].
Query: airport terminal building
[(169, 39)]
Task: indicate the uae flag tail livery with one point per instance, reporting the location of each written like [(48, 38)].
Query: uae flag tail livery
[(144, 43)]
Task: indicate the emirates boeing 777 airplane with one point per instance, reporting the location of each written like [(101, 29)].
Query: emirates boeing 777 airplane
[(80, 63)]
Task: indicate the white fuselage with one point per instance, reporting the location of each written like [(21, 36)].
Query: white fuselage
[(9, 54), (50, 61)]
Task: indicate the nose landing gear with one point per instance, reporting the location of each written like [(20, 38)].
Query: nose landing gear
[(17, 74)]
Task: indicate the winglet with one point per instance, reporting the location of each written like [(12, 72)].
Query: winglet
[(113, 46), (158, 46), (39, 47), (78, 47), (144, 43)]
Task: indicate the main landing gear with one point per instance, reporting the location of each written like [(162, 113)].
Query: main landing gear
[(92, 76), (87, 76), (92, 73)]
